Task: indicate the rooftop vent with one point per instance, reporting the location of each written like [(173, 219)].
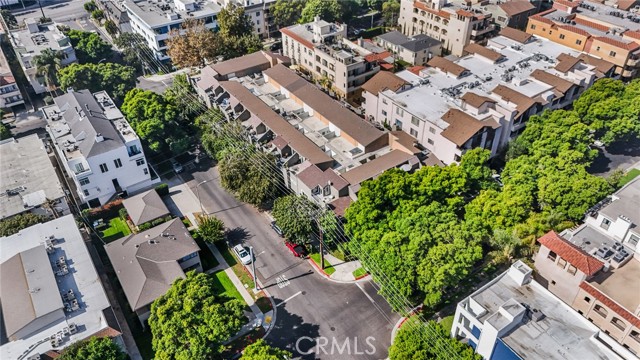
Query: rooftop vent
[(99, 137), (536, 315)]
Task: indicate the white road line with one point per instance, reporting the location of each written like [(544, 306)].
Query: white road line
[(365, 293), (289, 298)]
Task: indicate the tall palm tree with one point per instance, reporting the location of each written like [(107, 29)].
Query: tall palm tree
[(47, 64)]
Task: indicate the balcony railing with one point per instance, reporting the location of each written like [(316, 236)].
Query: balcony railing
[(134, 152)]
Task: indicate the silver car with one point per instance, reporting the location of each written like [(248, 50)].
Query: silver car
[(242, 254)]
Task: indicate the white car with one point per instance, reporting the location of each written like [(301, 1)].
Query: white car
[(242, 254)]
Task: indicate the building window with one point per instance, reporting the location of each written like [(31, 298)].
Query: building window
[(633, 240), (399, 123), (118, 163), (561, 36), (618, 323), (612, 53), (257, 13), (430, 141), (316, 190), (578, 42), (572, 270), (384, 113), (600, 310), (457, 158), (587, 299), (140, 162), (326, 191), (384, 101), (399, 111), (86, 192), (553, 282), (413, 133), (84, 181), (133, 150), (104, 168), (635, 335), (146, 171), (533, 27), (79, 168), (415, 121), (432, 130), (552, 256), (605, 223), (562, 263)]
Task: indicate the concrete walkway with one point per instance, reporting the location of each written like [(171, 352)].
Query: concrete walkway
[(344, 269)]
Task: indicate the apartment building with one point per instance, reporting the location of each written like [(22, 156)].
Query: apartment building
[(29, 43), (417, 50), (455, 24), (258, 12), (602, 31), (115, 11), (154, 20), (99, 150), (52, 296), (514, 317), (10, 95), (147, 263), (29, 182), (483, 99), (322, 50), (594, 267)]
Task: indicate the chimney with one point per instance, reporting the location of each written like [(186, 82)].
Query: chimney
[(316, 18), (99, 137)]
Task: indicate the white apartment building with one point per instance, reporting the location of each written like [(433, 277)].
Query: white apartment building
[(258, 12), (513, 317), (483, 99), (10, 95), (30, 42), (321, 49), (98, 148), (417, 50), (154, 20)]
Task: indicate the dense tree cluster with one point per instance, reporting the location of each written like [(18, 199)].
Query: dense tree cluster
[(134, 49), (294, 215), (260, 350), (428, 343), (89, 46), (113, 78), (93, 349), (16, 223), (191, 321)]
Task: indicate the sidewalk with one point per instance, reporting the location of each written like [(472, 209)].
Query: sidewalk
[(343, 269)]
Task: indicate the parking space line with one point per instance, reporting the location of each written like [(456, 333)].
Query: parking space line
[(365, 293)]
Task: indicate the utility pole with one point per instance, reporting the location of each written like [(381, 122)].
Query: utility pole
[(253, 265), (40, 4), (321, 246)]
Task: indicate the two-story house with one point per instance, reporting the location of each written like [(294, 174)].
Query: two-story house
[(100, 152)]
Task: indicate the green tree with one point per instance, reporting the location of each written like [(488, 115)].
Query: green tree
[(328, 10), (260, 350), (243, 171), (191, 320), (233, 22), (89, 46), (134, 50), (391, 12), (295, 216), (5, 132), (331, 228), (211, 229), (375, 4), (47, 65), (93, 349), (97, 15), (115, 79), (218, 135), (111, 27), (194, 45), (9, 19), (90, 6), (413, 343), (18, 222), (181, 94), (287, 12)]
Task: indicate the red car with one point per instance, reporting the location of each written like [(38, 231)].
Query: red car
[(297, 250)]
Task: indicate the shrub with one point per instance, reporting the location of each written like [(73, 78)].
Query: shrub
[(16, 223), (145, 226), (162, 189), (123, 213)]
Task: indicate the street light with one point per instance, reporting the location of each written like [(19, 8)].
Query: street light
[(198, 193), (253, 265), (101, 60)]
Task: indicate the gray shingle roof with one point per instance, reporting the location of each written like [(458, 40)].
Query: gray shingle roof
[(417, 43), (145, 207), (394, 37)]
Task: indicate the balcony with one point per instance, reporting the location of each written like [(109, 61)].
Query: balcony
[(134, 152), (483, 30)]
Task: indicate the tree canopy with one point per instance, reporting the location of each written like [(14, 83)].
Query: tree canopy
[(48, 64), (328, 10), (260, 350), (115, 79), (191, 321), (287, 12), (236, 33), (89, 46), (18, 222), (295, 216), (93, 349), (211, 229), (410, 343), (134, 49), (194, 47)]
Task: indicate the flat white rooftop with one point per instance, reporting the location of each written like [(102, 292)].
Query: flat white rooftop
[(82, 279)]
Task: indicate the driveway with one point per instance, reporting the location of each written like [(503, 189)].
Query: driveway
[(327, 320)]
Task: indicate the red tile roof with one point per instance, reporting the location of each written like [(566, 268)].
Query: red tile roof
[(541, 19), (465, 13), (632, 34), (423, 6), (573, 254), (570, 4), (608, 302), (297, 37), (627, 46), (416, 69), (377, 57), (591, 24), (575, 30)]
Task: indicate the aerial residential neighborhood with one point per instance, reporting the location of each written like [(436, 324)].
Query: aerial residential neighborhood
[(320, 179)]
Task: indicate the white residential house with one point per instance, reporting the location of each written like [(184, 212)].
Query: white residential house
[(154, 20), (100, 151)]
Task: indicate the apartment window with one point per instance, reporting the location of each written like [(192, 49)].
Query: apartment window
[(140, 162), (552, 256), (384, 113), (398, 123), (384, 101), (612, 53), (118, 163), (146, 171), (257, 13), (572, 270), (430, 141), (618, 323), (561, 36), (562, 263), (84, 181), (79, 168), (85, 192), (257, 22), (635, 335), (133, 150), (533, 27), (326, 191), (104, 168), (413, 133), (633, 240), (605, 223), (316, 190), (553, 282), (600, 310), (415, 121), (587, 299), (502, 19), (399, 111), (432, 130), (578, 42)]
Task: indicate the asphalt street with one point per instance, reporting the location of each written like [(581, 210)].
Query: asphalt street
[(58, 10), (316, 318)]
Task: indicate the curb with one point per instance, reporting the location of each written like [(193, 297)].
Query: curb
[(402, 320), (328, 277)]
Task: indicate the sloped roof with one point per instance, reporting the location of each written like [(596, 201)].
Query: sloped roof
[(515, 34), (577, 257), (383, 80), (447, 66), (516, 7), (608, 302), (145, 207), (486, 53), (557, 82), (462, 126), (313, 176), (523, 102), (476, 100), (566, 62), (376, 167)]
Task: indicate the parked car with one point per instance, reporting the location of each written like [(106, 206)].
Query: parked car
[(297, 250), (177, 167), (277, 229), (242, 254)]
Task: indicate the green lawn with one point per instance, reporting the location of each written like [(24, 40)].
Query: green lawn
[(447, 322), (224, 286), (328, 268), (359, 272), (117, 228), (226, 253), (630, 175)]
